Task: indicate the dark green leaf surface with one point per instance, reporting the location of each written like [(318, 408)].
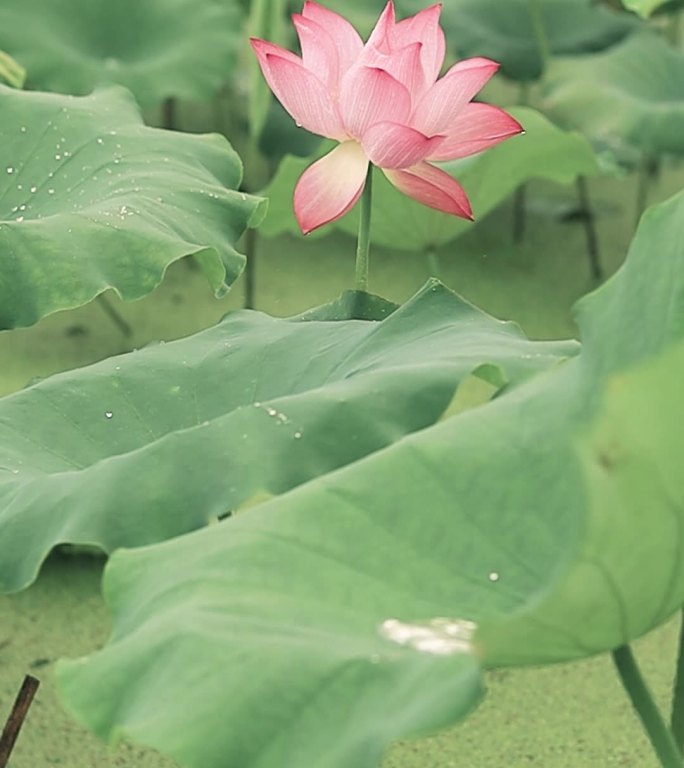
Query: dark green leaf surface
[(551, 517), (156, 48), (159, 442), (633, 93), (503, 31), (91, 199), (544, 151)]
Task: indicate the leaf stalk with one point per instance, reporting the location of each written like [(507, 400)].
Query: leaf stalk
[(363, 242), (659, 734)]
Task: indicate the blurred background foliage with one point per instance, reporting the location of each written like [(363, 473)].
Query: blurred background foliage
[(612, 76), (602, 84), (595, 67)]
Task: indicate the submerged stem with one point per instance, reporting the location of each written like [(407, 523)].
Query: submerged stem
[(658, 733), (169, 113), (363, 242), (113, 315)]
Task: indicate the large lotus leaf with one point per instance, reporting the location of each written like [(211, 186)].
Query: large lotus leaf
[(156, 48), (92, 199), (633, 93), (158, 442), (291, 679), (551, 517), (397, 221), (504, 31), (626, 575)]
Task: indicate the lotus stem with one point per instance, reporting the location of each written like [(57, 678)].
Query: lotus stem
[(647, 168), (661, 738), (542, 38), (251, 239), (677, 716), (520, 195), (433, 262), (589, 220), (674, 27), (642, 193), (253, 180), (16, 718), (363, 242)]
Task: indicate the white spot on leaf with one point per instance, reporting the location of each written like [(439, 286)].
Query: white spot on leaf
[(439, 636)]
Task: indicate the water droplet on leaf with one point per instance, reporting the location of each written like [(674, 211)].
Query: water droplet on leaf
[(439, 636)]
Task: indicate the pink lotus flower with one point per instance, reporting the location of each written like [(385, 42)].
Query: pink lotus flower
[(383, 102)]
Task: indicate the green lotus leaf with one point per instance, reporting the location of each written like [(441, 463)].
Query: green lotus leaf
[(504, 31), (292, 681), (156, 48), (11, 72), (544, 151), (625, 576), (547, 522), (92, 199), (162, 441), (632, 93)]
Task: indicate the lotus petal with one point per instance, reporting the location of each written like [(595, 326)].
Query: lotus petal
[(432, 187), (330, 187)]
